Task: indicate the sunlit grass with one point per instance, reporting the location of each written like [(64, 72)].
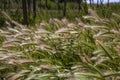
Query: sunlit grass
[(61, 50)]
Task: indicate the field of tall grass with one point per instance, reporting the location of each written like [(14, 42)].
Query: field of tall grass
[(87, 49)]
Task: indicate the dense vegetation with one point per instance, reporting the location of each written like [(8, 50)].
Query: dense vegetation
[(83, 45), (44, 11)]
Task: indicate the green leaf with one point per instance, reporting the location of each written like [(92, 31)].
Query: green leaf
[(105, 49)]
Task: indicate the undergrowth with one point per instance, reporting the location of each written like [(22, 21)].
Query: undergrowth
[(61, 50)]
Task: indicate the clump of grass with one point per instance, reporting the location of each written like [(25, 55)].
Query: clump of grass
[(61, 50)]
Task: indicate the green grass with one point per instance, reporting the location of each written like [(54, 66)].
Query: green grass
[(61, 49), (82, 46)]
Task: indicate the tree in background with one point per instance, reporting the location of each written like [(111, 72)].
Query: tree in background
[(46, 3), (25, 15), (79, 5), (97, 2), (90, 2), (101, 2), (5, 3), (29, 6), (108, 2), (26, 6), (58, 4), (64, 10), (40, 4), (34, 9)]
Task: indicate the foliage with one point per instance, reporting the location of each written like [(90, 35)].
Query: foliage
[(61, 50), (51, 11)]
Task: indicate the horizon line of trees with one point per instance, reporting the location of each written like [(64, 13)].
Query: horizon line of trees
[(29, 6)]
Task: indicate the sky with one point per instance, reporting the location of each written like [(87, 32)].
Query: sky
[(105, 1)]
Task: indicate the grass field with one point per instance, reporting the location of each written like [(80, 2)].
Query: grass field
[(82, 46)]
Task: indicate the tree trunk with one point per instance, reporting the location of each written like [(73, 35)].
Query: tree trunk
[(4, 4), (101, 2), (24, 7), (64, 10), (79, 5), (97, 2), (108, 2), (58, 4), (90, 2), (9, 4), (46, 2), (34, 8), (29, 6), (40, 5)]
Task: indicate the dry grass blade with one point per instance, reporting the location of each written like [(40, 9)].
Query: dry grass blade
[(42, 31), (116, 15), (62, 30), (6, 57), (6, 15), (20, 62), (18, 75), (94, 14), (90, 75), (65, 21), (12, 30), (111, 73), (115, 32), (57, 21), (9, 19), (71, 25), (25, 61)]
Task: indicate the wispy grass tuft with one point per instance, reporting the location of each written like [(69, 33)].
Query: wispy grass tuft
[(61, 50)]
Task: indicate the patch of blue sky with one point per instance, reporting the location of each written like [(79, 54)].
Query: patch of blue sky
[(105, 1)]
